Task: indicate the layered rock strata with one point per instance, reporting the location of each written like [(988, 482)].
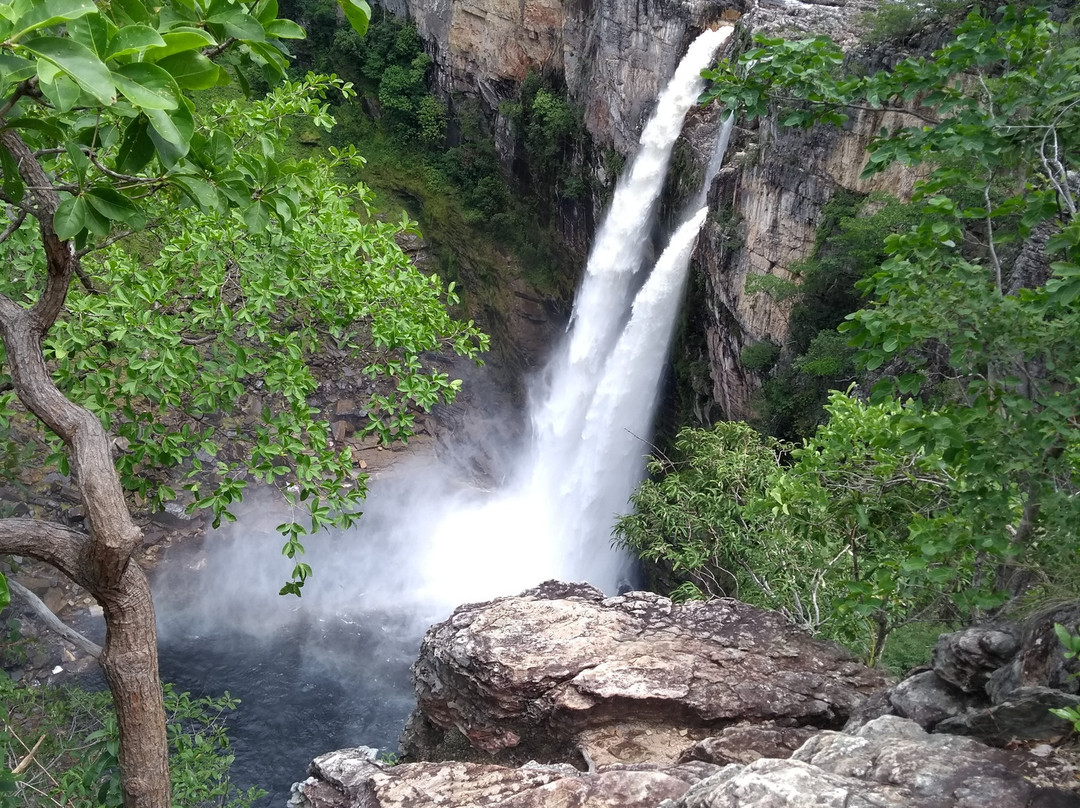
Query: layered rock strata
[(562, 673)]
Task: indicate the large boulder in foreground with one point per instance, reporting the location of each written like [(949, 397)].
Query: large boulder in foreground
[(561, 673)]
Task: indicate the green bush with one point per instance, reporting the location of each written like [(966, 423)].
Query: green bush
[(67, 742)]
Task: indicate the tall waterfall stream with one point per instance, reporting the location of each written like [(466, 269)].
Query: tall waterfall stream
[(331, 669)]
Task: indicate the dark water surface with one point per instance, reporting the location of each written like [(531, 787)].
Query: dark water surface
[(308, 688)]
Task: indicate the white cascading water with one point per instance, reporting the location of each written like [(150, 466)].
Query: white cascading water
[(592, 408)]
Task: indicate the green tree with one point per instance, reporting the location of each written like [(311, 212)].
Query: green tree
[(164, 259), (973, 322)]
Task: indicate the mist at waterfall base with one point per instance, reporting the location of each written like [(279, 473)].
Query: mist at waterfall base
[(330, 669)]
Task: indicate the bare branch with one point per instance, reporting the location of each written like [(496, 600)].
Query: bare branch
[(16, 223), (52, 621)]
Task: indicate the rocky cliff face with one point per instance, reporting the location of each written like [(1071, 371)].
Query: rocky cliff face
[(614, 57)]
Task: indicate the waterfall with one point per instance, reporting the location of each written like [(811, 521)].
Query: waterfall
[(337, 659), (591, 409)]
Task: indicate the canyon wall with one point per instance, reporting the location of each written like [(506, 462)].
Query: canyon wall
[(614, 56)]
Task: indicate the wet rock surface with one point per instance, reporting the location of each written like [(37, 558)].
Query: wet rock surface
[(546, 673)]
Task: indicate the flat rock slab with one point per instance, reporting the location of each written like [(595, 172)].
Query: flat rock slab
[(539, 674), (349, 778)]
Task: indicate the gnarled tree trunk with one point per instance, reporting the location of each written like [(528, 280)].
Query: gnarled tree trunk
[(100, 559)]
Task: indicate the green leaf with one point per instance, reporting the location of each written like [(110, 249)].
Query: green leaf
[(133, 9), (50, 12), (13, 184), (179, 40), (62, 91), (70, 217), (136, 147), (285, 29), (134, 39), (358, 13), (113, 205), (191, 70), (239, 24), (79, 62), (173, 126), (5, 594), (148, 86), (15, 69), (219, 150)]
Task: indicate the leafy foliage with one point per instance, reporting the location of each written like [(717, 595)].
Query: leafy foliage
[(707, 516), (75, 764), (955, 488), (262, 263)]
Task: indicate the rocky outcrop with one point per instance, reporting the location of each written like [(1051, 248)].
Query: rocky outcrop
[(351, 777), (562, 673), (996, 683), (888, 763)]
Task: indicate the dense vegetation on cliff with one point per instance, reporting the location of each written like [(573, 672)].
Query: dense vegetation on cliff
[(171, 263), (946, 483)]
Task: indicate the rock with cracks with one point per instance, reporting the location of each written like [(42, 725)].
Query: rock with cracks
[(351, 777), (889, 763), (563, 674)]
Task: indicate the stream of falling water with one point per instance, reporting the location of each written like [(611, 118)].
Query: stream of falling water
[(330, 670)]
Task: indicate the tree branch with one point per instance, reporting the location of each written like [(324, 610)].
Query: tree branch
[(46, 541), (52, 621)]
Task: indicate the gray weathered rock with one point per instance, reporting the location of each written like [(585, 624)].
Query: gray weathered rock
[(967, 658), (890, 762), (927, 699), (1040, 661), (1023, 716), (348, 778), (747, 743), (546, 672)]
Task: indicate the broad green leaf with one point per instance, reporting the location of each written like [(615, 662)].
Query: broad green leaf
[(50, 12), (179, 40), (62, 91), (13, 184), (256, 217), (266, 11), (5, 599), (15, 69), (134, 39), (113, 205), (175, 126), (238, 24), (358, 13), (133, 9), (70, 217), (94, 31), (219, 150), (147, 85), (79, 62), (200, 191), (285, 29), (136, 147), (192, 70)]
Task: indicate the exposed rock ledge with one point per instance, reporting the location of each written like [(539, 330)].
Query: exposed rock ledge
[(889, 763), (660, 705), (561, 672)]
